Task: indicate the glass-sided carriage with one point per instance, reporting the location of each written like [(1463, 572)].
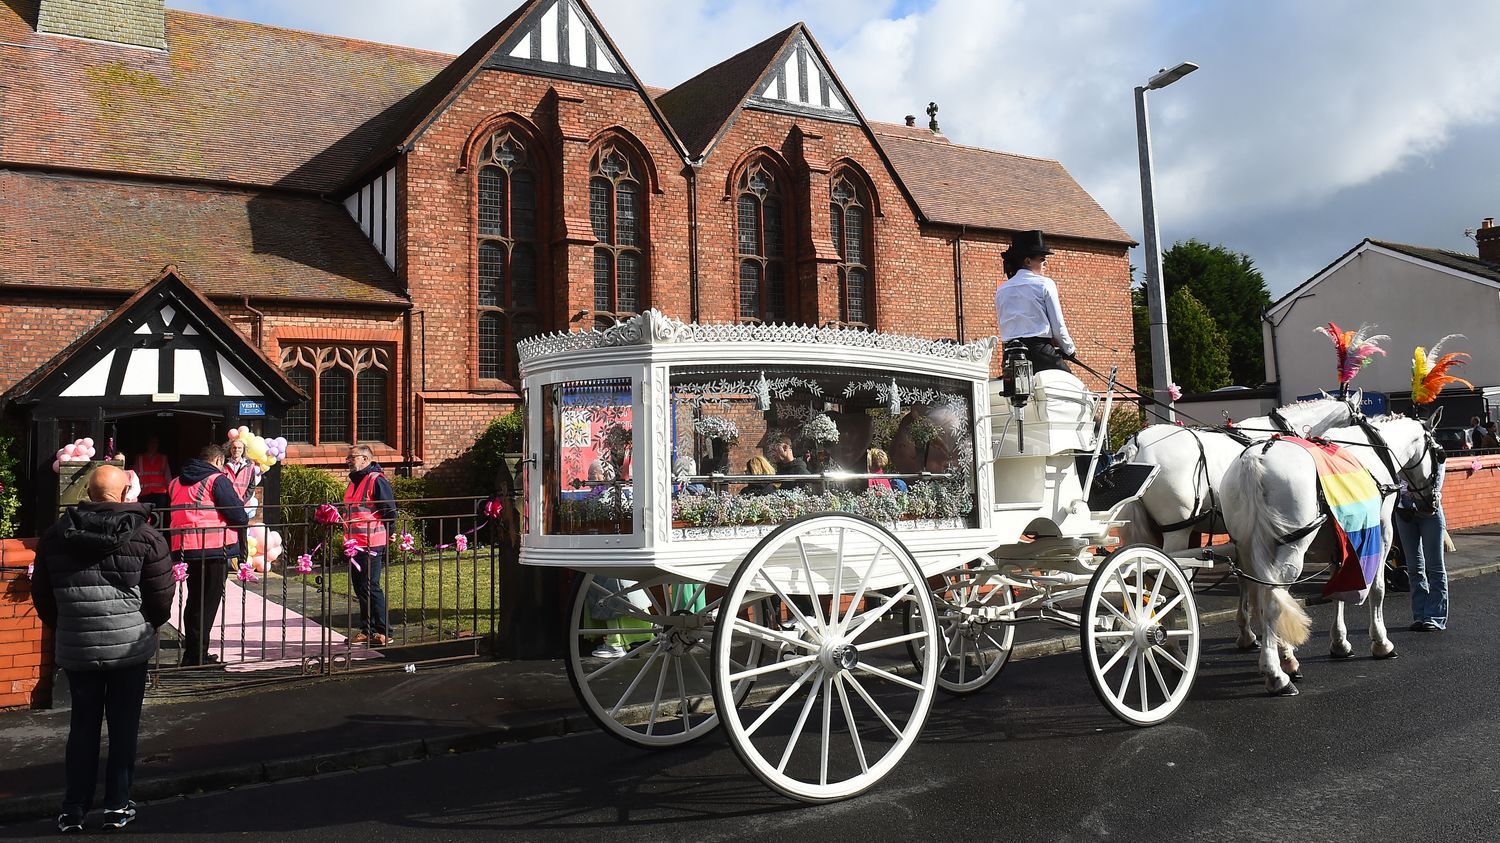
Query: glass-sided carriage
[(924, 509)]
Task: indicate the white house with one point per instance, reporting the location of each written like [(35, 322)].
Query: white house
[(1416, 295)]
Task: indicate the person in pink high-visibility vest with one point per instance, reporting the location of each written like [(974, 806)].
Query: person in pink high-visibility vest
[(204, 508), (154, 472)]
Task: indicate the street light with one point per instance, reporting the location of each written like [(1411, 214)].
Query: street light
[(1156, 299)]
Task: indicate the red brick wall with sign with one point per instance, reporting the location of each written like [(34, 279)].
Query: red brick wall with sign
[(1471, 491)]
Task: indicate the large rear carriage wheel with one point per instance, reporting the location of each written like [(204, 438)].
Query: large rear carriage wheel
[(1140, 635), (839, 704)]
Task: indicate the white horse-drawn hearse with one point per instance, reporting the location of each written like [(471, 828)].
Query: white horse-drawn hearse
[(813, 612)]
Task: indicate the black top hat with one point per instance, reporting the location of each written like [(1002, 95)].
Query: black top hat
[(1026, 244)]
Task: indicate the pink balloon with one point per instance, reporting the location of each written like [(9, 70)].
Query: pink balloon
[(233, 435), (88, 441), (273, 540), (57, 466)]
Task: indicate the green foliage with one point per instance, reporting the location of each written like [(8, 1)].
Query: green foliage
[(10, 497), (1234, 294), (504, 435), (1124, 422), (303, 487), (1200, 353)]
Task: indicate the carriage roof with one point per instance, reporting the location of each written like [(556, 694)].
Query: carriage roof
[(654, 336)]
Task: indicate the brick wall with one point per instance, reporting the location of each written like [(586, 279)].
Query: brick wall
[(38, 326), (1471, 497), (25, 645)]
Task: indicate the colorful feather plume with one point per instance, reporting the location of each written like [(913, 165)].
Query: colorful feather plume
[(1429, 371), (1355, 349)]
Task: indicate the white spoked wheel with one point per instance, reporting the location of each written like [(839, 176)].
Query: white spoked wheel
[(840, 704), (638, 658), (1140, 635), (972, 613)]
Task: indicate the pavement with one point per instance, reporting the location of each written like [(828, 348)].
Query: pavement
[(306, 728)]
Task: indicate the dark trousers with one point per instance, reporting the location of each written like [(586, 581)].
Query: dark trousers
[(99, 694), (1043, 354), (207, 570), (369, 590)]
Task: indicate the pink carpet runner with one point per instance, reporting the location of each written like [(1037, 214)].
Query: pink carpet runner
[(253, 633)]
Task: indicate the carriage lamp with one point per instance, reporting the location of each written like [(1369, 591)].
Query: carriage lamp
[(1017, 376)]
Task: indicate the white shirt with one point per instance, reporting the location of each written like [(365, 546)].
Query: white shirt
[(1026, 305)]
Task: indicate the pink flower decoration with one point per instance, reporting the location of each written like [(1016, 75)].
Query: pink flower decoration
[(179, 572), (1474, 465), (304, 563), (492, 508), (31, 569), (1174, 391), (461, 542), (326, 513), (408, 541), (247, 573), (351, 547)]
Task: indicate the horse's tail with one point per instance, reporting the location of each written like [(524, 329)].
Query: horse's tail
[(1292, 623)]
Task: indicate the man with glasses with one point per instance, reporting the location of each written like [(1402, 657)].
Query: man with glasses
[(370, 511)]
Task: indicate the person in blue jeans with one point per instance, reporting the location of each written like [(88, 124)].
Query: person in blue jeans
[(1421, 534)]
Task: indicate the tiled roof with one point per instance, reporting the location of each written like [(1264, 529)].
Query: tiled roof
[(95, 234), (701, 107), (1459, 261), (980, 188), (230, 101)]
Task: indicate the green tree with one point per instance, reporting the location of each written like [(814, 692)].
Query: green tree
[(1200, 353), (1234, 293)]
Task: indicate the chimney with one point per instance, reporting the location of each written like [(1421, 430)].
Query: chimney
[(911, 120), (1488, 238), (139, 23)]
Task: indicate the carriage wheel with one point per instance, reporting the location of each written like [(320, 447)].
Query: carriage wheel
[(976, 641), (843, 705), (638, 658), (1140, 635)]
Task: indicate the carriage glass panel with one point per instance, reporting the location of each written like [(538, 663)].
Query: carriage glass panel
[(587, 458), (722, 417)]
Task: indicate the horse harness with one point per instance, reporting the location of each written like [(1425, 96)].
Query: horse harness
[(1214, 510)]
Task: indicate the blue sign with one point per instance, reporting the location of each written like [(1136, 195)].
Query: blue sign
[(1372, 404), (252, 408)]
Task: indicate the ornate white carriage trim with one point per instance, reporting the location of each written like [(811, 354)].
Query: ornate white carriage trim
[(654, 327)]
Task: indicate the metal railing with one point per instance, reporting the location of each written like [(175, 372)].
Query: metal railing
[(300, 600)]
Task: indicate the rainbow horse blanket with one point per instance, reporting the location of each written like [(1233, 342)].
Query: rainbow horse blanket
[(1353, 498)]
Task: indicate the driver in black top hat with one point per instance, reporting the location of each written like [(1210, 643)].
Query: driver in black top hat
[(1027, 308)]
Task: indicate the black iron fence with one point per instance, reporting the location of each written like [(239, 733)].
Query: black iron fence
[(311, 591)]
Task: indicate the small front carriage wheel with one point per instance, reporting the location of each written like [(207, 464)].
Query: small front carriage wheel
[(839, 702), (1140, 635), (975, 622)]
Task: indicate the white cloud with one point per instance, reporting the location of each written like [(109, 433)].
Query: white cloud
[(1298, 105)]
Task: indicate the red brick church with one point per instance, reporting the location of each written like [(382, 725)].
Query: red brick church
[(206, 222)]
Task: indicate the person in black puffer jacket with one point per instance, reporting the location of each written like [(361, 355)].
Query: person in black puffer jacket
[(103, 583)]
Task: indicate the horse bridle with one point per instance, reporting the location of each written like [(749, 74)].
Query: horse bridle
[(1383, 449)]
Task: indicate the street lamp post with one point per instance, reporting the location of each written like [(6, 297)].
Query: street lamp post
[(1156, 298)]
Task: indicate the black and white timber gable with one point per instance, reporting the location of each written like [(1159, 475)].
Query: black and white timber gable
[(166, 346), (561, 38), (373, 206), (799, 82)]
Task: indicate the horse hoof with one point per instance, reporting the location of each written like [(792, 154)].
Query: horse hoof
[(1245, 648), (1340, 654), (1296, 677), (1391, 655), (1287, 690)]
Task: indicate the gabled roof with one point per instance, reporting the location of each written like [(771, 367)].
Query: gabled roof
[(229, 101), (492, 51), (1454, 263), (701, 109), (205, 356), (980, 188), (97, 234)]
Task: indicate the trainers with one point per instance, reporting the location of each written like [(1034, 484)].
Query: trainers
[(361, 638), (1424, 626), (118, 818), (69, 823), (379, 640), (608, 651)]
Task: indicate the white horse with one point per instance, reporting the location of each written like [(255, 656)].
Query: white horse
[(1271, 507), (1183, 500)]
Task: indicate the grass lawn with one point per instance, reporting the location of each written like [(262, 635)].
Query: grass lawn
[(432, 590)]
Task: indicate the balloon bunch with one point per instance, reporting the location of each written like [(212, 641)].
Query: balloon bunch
[(259, 450), (262, 547), (81, 450)]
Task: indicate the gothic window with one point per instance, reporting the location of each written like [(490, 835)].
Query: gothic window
[(351, 390), (618, 214), (761, 236), (509, 302), (849, 217)]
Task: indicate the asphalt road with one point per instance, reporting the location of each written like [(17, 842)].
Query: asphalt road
[(1391, 750)]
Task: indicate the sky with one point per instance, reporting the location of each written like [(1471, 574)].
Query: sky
[(1310, 125)]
